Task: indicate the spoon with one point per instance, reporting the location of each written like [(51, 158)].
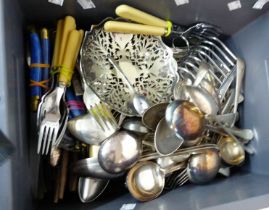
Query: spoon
[(134, 124), (231, 151), (200, 97), (119, 152), (153, 115), (86, 129), (146, 180), (140, 102), (203, 167), (90, 189), (197, 95), (90, 167), (189, 122), (166, 141)]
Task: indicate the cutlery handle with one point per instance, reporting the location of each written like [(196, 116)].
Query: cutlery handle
[(245, 134), (81, 32), (139, 16), (133, 28), (68, 25), (75, 104), (240, 71), (57, 45), (35, 72), (67, 68), (45, 44)]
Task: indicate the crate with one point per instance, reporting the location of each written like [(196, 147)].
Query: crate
[(248, 34)]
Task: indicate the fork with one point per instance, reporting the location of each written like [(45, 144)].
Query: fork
[(98, 109), (177, 179), (103, 116), (51, 122), (48, 131)]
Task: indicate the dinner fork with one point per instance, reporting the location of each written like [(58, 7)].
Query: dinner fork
[(98, 109), (50, 124)]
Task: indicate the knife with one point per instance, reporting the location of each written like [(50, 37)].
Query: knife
[(35, 72), (45, 44)]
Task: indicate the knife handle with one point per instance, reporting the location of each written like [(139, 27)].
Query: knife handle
[(69, 24), (133, 28), (45, 45), (139, 16), (67, 68), (57, 44), (35, 72), (81, 32)]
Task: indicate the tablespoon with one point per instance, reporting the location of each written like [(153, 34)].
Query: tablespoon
[(89, 189), (231, 151), (146, 180), (134, 124), (201, 168), (140, 102), (166, 141), (153, 115), (189, 122), (119, 152), (197, 95)]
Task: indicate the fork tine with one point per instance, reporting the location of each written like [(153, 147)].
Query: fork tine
[(52, 130), (104, 115), (181, 178), (54, 138), (101, 113), (109, 115), (45, 137), (96, 117), (182, 182), (178, 177), (40, 137)]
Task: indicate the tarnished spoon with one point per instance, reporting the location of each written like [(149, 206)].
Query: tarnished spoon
[(153, 115), (231, 151), (189, 122), (119, 152), (166, 141), (89, 189)]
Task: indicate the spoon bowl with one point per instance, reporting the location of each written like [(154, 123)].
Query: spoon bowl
[(119, 152), (86, 129), (134, 124), (185, 118), (231, 151), (90, 189), (204, 166), (146, 180), (166, 141), (153, 115), (200, 97)]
